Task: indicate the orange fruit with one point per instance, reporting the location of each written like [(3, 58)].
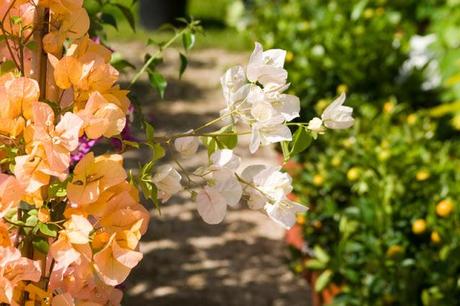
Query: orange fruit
[(419, 226), (318, 180), (422, 175), (435, 237), (353, 174), (394, 250), (444, 208)]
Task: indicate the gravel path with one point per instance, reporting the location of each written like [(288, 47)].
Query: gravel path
[(187, 262)]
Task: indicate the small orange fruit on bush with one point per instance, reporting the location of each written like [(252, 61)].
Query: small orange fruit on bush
[(300, 219), (419, 226), (289, 56), (353, 174), (435, 237), (394, 250), (422, 175), (336, 161), (317, 224), (318, 180), (444, 208)]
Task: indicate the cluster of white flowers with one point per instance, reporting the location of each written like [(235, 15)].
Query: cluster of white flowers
[(254, 98)]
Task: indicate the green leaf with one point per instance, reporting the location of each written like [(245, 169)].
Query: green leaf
[(323, 280), (58, 189), (119, 63), (7, 66), (188, 40), (109, 19), (321, 254), (210, 143), (228, 141), (315, 264), (32, 221), (150, 192), (358, 9), (48, 229), (16, 19), (40, 244), (158, 82), (158, 152), (300, 141), (25, 206), (183, 64), (133, 144), (285, 149), (149, 132), (32, 45), (128, 15)]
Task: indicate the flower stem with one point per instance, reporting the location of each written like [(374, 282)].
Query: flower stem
[(157, 55)]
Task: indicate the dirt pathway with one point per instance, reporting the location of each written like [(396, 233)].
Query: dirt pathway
[(187, 262)]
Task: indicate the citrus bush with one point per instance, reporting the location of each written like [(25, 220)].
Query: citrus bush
[(360, 45), (383, 224)]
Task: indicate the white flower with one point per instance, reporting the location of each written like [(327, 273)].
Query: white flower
[(337, 116), (284, 212), (232, 80), (273, 90), (255, 199), (235, 101), (211, 205), (267, 67), (228, 186), (225, 158), (288, 106), (316, 125), (268, 185), (269, 131), (273, 182), (167, 180), (268, 188), (212, 201), (187, 146)]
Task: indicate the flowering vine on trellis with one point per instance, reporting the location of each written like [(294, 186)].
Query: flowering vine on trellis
[(71, 221)]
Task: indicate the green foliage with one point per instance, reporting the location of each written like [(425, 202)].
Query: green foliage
[(446, 26), (110, 13), (365, 189), (360, 45)]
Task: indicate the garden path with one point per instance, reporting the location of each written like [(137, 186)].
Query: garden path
[(187, 262)]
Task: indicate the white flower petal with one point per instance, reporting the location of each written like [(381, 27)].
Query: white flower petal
[(225, 158), (284, 212), (255, 140), (256, 199), (187, 146), (211, 205), (266, 67), (270, 74), (167, 180), (276, 133), (251, 171), (289, 107), (255, 60), (232, 80), (275, 57), (228, 186), (316, 125), (337, 116)]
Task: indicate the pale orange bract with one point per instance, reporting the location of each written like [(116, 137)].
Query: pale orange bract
[(92, 221)]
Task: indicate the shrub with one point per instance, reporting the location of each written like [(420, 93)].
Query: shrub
[(384, 217), (360, 45)]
